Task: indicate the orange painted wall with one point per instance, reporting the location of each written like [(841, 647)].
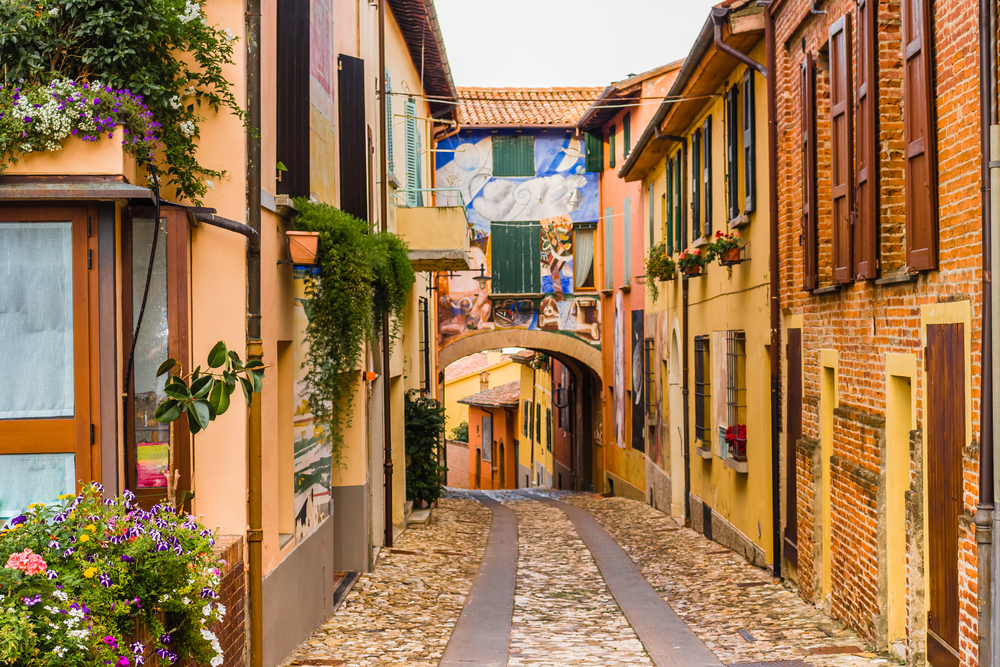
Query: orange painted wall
[(503, 431)]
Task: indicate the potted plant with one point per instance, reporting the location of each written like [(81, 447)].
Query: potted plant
[(302, 246), (659, 266), (736, 441), (727, 248), (691, 262)]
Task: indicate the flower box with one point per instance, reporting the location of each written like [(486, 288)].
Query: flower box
[(303, 247), (730, 257), (692, 271), (104, 157)]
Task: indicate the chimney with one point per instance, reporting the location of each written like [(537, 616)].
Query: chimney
[(484, 381)]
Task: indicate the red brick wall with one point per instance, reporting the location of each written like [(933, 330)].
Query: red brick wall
[(865, 320)]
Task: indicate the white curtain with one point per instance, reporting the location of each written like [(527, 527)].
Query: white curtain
[(583, 257), (36, 320), (33, 478)]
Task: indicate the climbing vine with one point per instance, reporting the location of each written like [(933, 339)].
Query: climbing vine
[(360, 276)]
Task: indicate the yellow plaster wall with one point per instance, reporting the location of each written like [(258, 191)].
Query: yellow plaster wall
[(500, 373)]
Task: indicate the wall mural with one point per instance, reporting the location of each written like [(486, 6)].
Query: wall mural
[(618, 352), (638, 381), (559, 194)]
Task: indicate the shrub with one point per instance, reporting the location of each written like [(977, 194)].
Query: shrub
[(461, 432), (424, 428)]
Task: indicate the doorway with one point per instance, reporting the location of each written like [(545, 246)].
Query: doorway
[(945, 365), (793, 353), (502, 463), (676, 435), (479, 467)]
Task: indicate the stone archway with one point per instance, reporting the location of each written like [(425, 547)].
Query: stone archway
[(543, 341)]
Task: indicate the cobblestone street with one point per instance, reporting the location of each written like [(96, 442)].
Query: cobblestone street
[(404, 612)]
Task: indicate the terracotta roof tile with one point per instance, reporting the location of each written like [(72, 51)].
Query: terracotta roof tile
[(474, 363), (524, 106), (503, 396)]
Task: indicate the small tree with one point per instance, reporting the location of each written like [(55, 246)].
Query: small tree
[(461, 432), (424, 431)]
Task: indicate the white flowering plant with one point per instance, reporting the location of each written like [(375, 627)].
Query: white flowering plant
[(164, 54), (80, 578)]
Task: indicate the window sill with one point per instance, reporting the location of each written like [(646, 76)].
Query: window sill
[(608, 292), (897, 279), (704, 452), (739, 466), (742, 220), (625, 288), (699, 242), (829, 289)]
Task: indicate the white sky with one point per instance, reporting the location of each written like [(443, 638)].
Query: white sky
[(542, 43)]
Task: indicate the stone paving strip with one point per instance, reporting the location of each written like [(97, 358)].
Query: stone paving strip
[(701, 587), (564, 613), (404, 612)]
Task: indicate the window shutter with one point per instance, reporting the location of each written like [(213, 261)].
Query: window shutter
[(411, 152), (611, 147), (732, 148), (749, 142), (627, 242), (696, 185), (609, 248), (652, 230), (669, 231), (513, 155), (388, 121), (866, 159), (627, 134), (292, 98), (419, 183), (841, 148), (354, 156), (515, 252), (919, 138), (807, 98), (595, 152), (707, 142), (678, 206)]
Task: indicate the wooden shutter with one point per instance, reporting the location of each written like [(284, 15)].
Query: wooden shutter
[(707, 175), (513, 156), (678, 201), (749, 142), (611, 147), (652, 229), (515, 249), (842, 163), (609, 248), (627, 239), (353, 137), (669, 231), (595, 152), (411, 152), (807, 99), (292, 99), (627, 134), (732, 148), (919, 138), (388, 122), (866, 159), (696, 185)]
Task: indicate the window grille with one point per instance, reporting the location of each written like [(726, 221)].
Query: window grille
[(736, 394), (702, 388), (650, 373), (425, 348)]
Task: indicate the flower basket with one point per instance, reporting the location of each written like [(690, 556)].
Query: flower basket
[(659, 266), (691, 262), (736, 441), (693, 271), (726, 247), (730, 257), (302, 247)]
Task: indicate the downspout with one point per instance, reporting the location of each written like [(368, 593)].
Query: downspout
[(384, 220), (684, 393), (719, 18), (255, 348)]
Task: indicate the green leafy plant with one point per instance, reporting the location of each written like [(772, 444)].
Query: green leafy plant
[(424, 430), (461, 432), (691, 261), (723, 244), (163, 52), (659, 266), (361, 275)]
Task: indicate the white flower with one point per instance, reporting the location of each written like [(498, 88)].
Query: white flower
[(175, 102), (185, 600), (187, 128), (192, 10), (54, 11), (210, 185), (59, 650), (207, 610), (222, 609)]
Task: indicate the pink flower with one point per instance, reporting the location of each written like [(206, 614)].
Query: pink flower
[(28, 562)]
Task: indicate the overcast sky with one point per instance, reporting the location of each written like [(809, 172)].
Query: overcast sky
[(542, 43)]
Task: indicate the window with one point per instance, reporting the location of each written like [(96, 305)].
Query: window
[(487, 438), (736, 394), (538, 425), (292, 99), (595, 152), (650, 239), (702, 389), (650, 371), (47, 322), (388, 122), (696, 185), (413, 197), (679, 212), (548, 428), (707, 178), (356, 164), (425, 347), (526, 420), (749, 142), (609, 248), (583, 255), (514, 156), (841, 145), (919, 137), (807, 114), (627, 134), (611, 147), (732, 152), (866, 138), (668, 203), (627, 241), (285, 440), (516, 249)]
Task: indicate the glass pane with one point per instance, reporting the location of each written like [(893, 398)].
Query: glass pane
[(584, 257), (36, 319), (33, 478), (151, 350)]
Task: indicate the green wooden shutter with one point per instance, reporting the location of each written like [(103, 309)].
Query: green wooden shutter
[(516, 253), (548, 428), (627, 243), (611, 147), (669, 231), (609, 248), (696, 185), (411, 152), (707, 169), (749, 142), (420, 169), (678, 211), (627, 134), (595, 152), (388, 121), (649, 241), (514, 156), (538, 425)]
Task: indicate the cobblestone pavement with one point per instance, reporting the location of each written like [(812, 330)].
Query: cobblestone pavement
[(564, 613), (701, 585), (403, 613)]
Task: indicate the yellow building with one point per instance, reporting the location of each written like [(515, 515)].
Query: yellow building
[(534, 420), (702, 163), (470, 375)]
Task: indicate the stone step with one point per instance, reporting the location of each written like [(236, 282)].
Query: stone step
[(419, 517)]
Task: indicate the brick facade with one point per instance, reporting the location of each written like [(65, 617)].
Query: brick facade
[(866, 320)]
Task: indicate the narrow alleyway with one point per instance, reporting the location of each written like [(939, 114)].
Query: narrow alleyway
[(571, 600)]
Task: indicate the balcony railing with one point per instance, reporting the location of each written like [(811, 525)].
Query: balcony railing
[(438, 196)]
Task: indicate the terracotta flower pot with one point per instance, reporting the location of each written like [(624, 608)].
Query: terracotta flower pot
[(693, 270), (302, 246), (731, 256)]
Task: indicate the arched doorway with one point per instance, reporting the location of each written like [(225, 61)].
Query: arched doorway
[(479, 467), (676, 420)]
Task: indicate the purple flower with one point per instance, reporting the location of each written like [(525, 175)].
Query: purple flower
[(110, 641), (32, 601), (109, 501), (17, 520), (128, 496), (139, 660), (127, 559), (136, 602), (165, 639), (51, 574), (27, 119), (104, 580), (69, 552), (122, 661), (53, 544), (208, 593), (138, 648), (162, 546)]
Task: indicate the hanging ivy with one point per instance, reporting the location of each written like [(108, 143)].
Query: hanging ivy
[(361, 275)]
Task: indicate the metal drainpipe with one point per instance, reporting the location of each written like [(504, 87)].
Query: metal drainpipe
[(384, 220), (684, 394), (255, 350)]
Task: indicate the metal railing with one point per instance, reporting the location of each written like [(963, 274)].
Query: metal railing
[(435, 192)]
